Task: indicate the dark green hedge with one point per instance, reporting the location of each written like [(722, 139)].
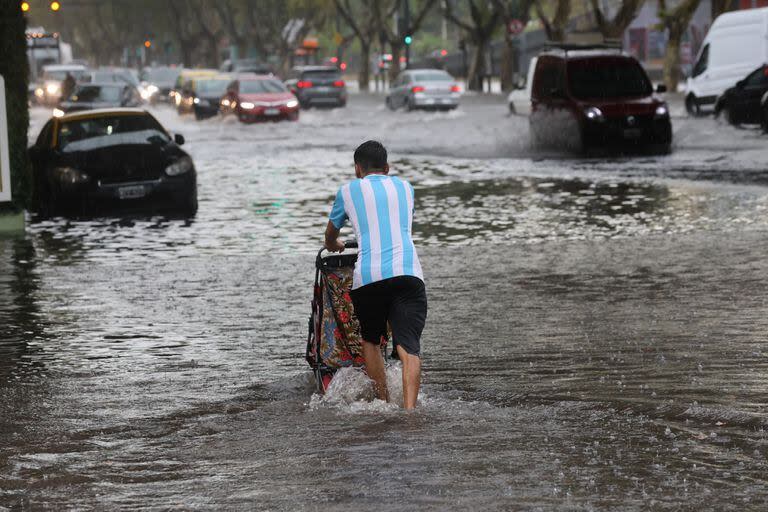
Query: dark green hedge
[(15, 69)]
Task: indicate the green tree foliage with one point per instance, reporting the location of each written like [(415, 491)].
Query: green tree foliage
[(15, 70)]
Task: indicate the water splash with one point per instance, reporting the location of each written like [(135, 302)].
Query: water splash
[(351, 390)]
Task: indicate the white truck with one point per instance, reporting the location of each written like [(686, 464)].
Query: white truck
[(519, 100), (737, 43)]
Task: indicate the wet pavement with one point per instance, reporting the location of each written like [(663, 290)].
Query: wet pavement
[(596, 338)]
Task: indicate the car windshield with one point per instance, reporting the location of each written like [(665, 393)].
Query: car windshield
[(94, 93), (261, 86), (99, 132), (432, 76), (607, 78), (61, 74), (211, 86)]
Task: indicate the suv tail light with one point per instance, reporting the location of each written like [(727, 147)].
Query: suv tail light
[(417, 88), (303, 84), (455, 88), (338, 83)]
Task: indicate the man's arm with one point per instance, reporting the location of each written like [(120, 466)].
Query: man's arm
[(332, 242)]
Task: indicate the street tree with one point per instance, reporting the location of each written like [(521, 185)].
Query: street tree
[(614, 28), (675, 20), (362, 20), (209, 28), (183, 29), (407, 26), (15, 70), (483, 20), (554, 27), (511, 10)]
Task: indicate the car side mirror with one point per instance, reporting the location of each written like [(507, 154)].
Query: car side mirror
[(661, 88), (178, 139)]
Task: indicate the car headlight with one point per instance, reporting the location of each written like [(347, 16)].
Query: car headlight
[(145, 94), (152, 89), (181, 166), (70, 175), (39, 92), (196, 101), (594, 114), (247, 105), (52, 88), (292, 104), (662, 111), (58, 112)]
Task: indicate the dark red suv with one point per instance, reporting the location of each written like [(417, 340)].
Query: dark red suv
[(587, 97)]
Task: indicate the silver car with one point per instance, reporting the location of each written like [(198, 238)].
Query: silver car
[(424, 88)]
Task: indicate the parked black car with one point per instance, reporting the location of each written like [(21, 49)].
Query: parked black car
[(110, 159), (316, 86), (104, 95), (741, 103)]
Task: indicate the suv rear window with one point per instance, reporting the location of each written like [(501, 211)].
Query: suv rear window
[(323, 74), (607, 78)]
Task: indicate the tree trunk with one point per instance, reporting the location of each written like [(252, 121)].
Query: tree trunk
[(363, 77), (672, 56), (477, 66), (186, 53), (15, 69), (394, 67), (508, 64)]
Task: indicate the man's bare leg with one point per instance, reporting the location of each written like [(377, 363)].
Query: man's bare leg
[(411, 377), (374, 366)]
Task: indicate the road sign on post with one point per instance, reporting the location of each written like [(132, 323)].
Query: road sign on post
[(5, 165), (515, 27)]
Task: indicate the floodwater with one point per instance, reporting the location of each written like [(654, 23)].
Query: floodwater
[(596, 337)]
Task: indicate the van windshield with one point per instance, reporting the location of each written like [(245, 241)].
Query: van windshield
[(607, 78)]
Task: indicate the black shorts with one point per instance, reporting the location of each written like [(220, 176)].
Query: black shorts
[(401, 301)]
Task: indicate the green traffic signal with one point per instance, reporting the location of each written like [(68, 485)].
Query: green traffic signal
[(408, 39)]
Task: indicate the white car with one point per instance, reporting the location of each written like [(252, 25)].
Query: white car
[(519, 100), (736, 44)]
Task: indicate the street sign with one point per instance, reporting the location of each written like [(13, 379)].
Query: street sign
[(5, 165), (515, 27)]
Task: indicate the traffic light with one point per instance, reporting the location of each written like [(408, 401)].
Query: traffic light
[(55, 6), (408, 40), (147, 44), (24, 6)]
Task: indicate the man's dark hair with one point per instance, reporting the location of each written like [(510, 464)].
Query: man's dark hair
[(371, 155)]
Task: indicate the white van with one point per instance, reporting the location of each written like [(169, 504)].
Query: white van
[(737, 43)]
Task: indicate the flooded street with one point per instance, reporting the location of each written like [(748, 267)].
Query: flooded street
[(597, 335)]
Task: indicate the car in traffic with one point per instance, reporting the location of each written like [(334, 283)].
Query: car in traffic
[(317, 86), (179, 92), (89, 96), (519, 100), (432, 89), (49, 90), (114, 75), (207, 94), (157, 82), (586, 97), (110, 159), (741, 104), (259, 98), (734, 45)]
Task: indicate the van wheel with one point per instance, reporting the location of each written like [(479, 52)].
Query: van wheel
[(692, 106), (390, 105), (725, 115)]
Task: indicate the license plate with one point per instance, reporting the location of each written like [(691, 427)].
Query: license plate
[(272, 111), (132, 192), (632, 133), (323, 89)]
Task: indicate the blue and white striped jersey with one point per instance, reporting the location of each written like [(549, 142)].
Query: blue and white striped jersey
[(380, 208)]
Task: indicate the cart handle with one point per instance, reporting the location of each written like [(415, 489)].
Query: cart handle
[(352, 244)]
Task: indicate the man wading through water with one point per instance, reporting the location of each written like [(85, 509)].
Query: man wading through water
[(387, 285)]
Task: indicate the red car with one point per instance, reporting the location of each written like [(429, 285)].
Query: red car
[(589, 96), (259, 98)]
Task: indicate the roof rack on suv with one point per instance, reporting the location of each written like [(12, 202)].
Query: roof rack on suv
[(566, 47)]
